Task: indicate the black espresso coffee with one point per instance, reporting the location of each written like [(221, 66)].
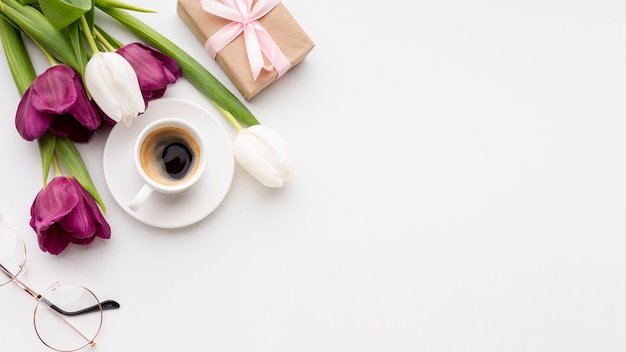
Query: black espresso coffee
[(169, 155)]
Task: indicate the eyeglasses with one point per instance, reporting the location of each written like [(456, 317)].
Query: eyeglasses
[(67, 317)]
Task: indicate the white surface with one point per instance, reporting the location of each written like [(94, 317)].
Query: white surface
[(460, 186), (169, 210)]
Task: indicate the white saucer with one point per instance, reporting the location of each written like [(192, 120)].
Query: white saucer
[(170, 211)]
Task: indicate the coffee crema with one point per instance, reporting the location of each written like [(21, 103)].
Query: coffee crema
[(169, 155)]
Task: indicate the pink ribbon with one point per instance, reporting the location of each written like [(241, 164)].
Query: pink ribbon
[(244, 19)]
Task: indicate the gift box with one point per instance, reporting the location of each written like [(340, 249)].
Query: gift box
[(234, 58)]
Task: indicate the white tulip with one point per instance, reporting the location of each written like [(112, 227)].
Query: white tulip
[(263, 153), (113, 84)]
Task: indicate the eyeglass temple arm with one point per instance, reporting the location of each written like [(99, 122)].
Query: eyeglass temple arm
[(106, 305)]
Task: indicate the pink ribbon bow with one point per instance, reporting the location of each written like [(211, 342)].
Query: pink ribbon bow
[(244, 19)]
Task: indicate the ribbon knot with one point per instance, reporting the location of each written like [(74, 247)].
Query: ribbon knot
[(244, 18)]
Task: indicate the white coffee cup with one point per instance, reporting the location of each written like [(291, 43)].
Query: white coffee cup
[(169, 155)]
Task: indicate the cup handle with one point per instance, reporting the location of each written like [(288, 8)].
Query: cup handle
[(141, 197)]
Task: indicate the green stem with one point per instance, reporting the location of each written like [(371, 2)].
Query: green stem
[(230, 118), (51, 59), (197, 74), (104, 41), (116, 44), (88, 35)]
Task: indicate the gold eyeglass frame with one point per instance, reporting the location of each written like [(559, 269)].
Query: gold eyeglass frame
[(56, 311)]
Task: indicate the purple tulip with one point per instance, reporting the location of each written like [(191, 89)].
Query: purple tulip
[(154, 69), (63, 213), (57, 102)]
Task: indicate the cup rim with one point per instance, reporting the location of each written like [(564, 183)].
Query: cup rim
[(173, 122)]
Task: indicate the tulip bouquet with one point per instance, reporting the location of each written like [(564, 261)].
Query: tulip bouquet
[(94, 81)]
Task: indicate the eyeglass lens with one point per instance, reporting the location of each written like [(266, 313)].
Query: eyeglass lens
[(12, 254), (67, 332), (67, 317)]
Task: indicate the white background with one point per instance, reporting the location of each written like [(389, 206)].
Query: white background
[(460, 186)]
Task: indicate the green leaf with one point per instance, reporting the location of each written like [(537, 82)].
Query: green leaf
[(63, 12), (47, 144), (72, 160), (193, 71), (76, 38), (18, 59), (34, 24), (121, 5)]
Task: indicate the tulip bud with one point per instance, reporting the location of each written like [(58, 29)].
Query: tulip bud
[(113, 84), (155, 70), (263, 153), (43, 109), (63, 213)]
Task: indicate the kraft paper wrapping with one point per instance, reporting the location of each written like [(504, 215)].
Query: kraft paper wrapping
[(279, 23)]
